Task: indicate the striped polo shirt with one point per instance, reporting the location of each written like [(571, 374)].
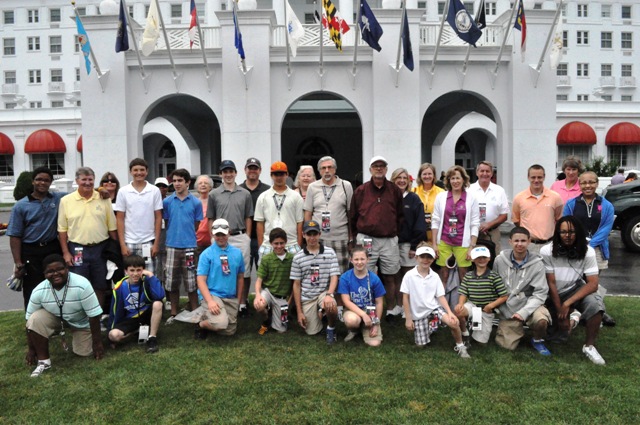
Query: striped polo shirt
[(484, 289), (314, 271)]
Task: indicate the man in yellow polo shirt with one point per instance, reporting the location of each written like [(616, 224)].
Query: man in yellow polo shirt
[(85, 223), (537, 209)]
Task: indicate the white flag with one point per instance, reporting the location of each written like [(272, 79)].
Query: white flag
[(295, 31), (556, 45), (151, 30)]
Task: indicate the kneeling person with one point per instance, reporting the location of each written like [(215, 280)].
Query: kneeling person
[(136, 304), (362, 294), (220, 281), (63, 300), (273, 286)]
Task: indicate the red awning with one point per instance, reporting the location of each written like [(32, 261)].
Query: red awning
[(79, 144), (45, 141), (6, 145), (624, 133), (576, 133)]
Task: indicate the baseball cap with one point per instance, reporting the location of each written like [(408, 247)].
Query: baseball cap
[(376, 159), (161, 180), (480, 251), (425, 250), (253, 161), (227, 164), (311, 226), (220, 226), (279, 167)]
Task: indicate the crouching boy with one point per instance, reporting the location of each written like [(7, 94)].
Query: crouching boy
[(362, 294), (273, 286), (423, 298), (136, 305)]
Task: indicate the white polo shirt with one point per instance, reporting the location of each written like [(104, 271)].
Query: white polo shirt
[(139, 209), (494, 201), (423, 292)]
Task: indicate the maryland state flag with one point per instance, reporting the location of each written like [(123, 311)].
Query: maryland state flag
[(337, 25)]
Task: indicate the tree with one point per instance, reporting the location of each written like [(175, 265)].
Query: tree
[(24, 185), (602, 168)]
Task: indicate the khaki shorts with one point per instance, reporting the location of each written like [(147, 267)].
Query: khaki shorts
[(365, 332), (511, 331), (602, 263), (493, 236), (483, 334), (225, 323), (383, 249), (311, 310), (243, 243), (46, 324), (275, 304), (405, 261)]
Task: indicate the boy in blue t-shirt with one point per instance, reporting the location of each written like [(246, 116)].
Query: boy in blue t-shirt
[(137, 302), (362, 294)]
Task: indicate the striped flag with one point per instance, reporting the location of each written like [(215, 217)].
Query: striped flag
[(521, 25), (193, 26), (337, 25)]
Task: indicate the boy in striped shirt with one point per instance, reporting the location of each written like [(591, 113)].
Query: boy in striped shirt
[(481, 288)]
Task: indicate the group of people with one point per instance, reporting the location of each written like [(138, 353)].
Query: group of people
[(324, 252)]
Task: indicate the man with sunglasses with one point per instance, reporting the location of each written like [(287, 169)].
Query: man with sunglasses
[(280, 206)]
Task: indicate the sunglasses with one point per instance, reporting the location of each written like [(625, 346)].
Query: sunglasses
[(220, 226), (278, 173), (108, 181)]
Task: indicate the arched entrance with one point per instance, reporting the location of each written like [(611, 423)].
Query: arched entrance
[(320, 124)]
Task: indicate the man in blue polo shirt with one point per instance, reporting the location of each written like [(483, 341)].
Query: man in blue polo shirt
[(220, 282), (182, 213)]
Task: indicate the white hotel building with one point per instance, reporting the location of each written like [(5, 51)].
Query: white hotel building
[(192, 116)]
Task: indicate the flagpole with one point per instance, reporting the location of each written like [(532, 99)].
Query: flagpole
[(404, 10), (355, 47), (435, 53), (504, 38), (286, 37), (143, 75), (235, 11), (166, 42), (321, 37), (549, 37), (93, 56), (204, 56)]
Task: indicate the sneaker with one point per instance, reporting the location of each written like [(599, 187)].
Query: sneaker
[(539, 347), (39, 370), (167, 305), (331, 336), (608, 320), (591, 353), (200, 333), (152, 344), (350, 336), (263, 330), (170, 320), (462, 351), (243, 312), (574, 318)]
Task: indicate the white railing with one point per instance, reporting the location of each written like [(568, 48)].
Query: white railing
[(607, 81), (9, 89), (491, 36), (56, 87), (312, 37), (76, 86), (628, 82), (179, 39), (564, 80)]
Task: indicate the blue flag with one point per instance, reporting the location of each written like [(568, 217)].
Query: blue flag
[(407, 52), (238, 35), (83, 39), (369, 26), (122, 39), (462, 24)]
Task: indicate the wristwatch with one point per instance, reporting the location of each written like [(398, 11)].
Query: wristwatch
[(332, 295)]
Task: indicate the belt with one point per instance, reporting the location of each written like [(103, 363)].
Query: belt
[(540, 241), (90, 244), (237, 232), (42, 243)]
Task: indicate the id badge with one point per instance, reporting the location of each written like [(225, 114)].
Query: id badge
[(315, 274), (77, 256), (326, 221), (371, 312), (483, 212), (190, 259), (427, 217), (146, 251), (224, 261), (143, 334), (368, 244), (453, 226), (284, 314), (476, 321)]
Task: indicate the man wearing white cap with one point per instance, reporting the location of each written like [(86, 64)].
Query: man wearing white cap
[(376, 215), (220, 280)]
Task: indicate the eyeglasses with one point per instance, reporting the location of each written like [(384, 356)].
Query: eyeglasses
[(379, 166), (278, 173), (567, 232), (589, 183), (108, 181), (220, 226), (54, 271)]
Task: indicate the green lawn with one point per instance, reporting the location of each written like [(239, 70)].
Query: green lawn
[(295, 379)]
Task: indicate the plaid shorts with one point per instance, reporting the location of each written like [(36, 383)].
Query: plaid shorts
[(136, 249), (342, 252), (176, 271), (422, 331)]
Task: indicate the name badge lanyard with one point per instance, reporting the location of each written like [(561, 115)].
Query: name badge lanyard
[(140, 287), (327, 196), (60, 304), (369, 288), (589, 210), (279, 205)]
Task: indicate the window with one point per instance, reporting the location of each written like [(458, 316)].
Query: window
[(626, 40), (626, 70), (490, 8), (583, 11), (146, 10), (82, 11), (10, 105), (469, 6), (537, 6), (131, 11), (33, 44), (77, 74), (581, 151), (55, 44), (440, 7), (605, 70), (421, 5), (583, 98), (606, 40), (176, 11), (606, 97), (57, 103), (627, 156), (76, 42), (9, 45), (8, 17), (35, 76), (583, 70), (56, 75), (78, 103), (9, 77), (605, 11), (35, 105), (582, 37), (626, 98), (625, 12), (562, 69), (6, 166), (561, 97), (54, 15), (53, 161), (565, 39), (33, 16)]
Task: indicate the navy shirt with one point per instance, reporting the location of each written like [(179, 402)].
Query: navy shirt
[(34, 220)]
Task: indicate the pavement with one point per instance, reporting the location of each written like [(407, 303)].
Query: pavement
[(619, 279)]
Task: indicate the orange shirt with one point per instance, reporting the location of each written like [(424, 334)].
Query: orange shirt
[(537, 215)]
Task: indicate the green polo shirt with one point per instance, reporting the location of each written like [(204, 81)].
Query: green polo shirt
[(275, 272)]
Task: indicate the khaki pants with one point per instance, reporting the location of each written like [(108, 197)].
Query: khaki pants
[(46, 324)]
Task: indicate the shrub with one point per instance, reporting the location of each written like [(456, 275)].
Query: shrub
[(24, 185), (602, 168)]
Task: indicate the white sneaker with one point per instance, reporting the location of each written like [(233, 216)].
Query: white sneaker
[(593, 354), (350, 336), (170, 320), (167, 305), (39, 370), (574, 318), (462, 351)]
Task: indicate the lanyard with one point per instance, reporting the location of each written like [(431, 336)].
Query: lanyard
[(139, 294), (60, 306), (327, 197), (589, 206), (275, 201)]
